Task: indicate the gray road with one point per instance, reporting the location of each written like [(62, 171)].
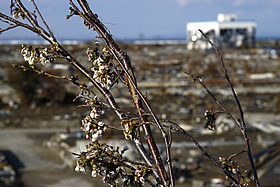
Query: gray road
[(36, 163)]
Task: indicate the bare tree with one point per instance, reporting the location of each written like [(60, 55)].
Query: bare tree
[(109, 66)]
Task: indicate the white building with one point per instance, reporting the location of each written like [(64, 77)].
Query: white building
[(225, 32)]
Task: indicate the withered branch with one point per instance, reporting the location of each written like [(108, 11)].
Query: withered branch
[(241, 122), (122, 58)]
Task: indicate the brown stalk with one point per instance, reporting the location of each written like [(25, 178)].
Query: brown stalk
[(125, 64)]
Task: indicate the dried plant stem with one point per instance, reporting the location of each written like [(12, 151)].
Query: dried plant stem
[(8, 19), (242, 121), (236, 154), (137, 96), (36, 28), (51, 39), (43, 20), (216, 100), (40, 72), (174, 126)]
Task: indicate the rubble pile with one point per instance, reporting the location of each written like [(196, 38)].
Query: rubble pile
[(7, 172), (160, 71)]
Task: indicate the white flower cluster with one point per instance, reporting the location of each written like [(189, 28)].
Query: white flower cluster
[(28, 56), (33, 55), (104, 160), (45, 57), (109, 176), (127, 131), (141, 174), (131, 128), (94, 171), (80, 168), (90, 124), (103, 73)]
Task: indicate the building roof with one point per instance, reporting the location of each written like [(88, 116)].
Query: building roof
[(225, 24), (223, 21)]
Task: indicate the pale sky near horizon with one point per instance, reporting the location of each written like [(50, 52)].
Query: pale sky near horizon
[(156, 19)]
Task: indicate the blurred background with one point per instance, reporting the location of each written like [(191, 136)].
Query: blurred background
[(40, 123)]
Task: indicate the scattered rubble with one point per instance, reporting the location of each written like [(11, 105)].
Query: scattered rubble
[(7, 172), (160, 70)]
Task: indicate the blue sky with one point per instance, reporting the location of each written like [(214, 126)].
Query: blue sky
[(157, 19)]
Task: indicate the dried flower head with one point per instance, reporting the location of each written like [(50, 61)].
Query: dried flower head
[(103, 160), (33, 54), (91, 124), (210, 119), (102, 66), (131, 128), (233, 168)]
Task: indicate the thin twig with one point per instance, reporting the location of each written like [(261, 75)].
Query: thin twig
[(17, 23), (215, 99), (176, 127), (43, 20), (39, 30), (8, 28), (236, 154), (40, 72), (172, 180), (242, 121), (227, 77)]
